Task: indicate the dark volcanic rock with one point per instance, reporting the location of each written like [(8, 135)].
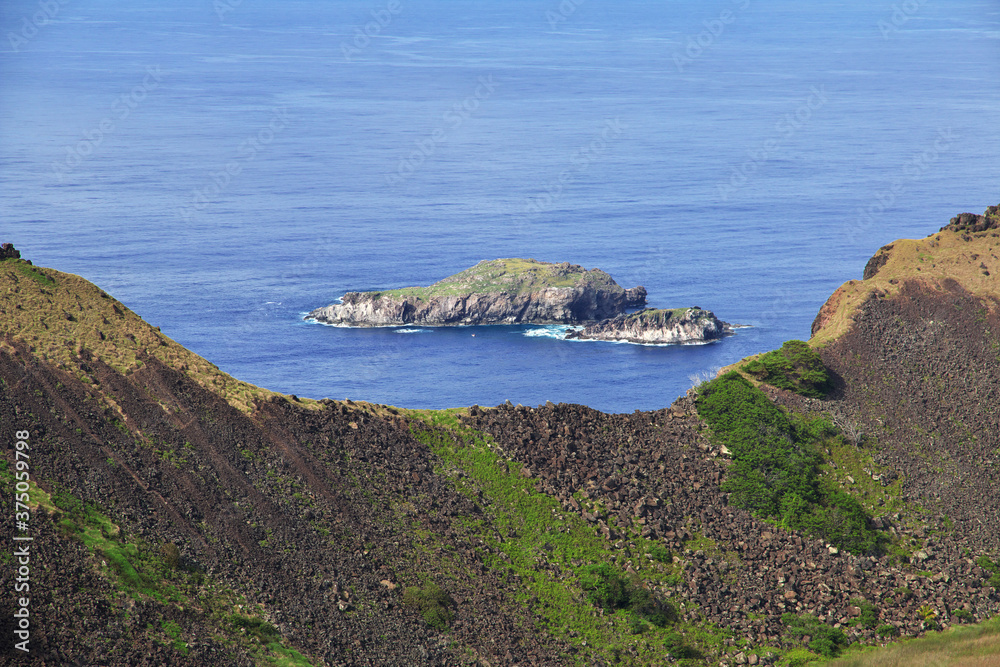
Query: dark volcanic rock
[(876, 262), (972, 222), (7, 251)]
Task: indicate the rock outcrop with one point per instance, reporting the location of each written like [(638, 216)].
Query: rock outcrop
[(8, 251), (651, 326), (972, 222), (501, 291)]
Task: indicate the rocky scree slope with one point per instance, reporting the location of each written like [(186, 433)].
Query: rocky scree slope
[(500, 291), (915, 348)]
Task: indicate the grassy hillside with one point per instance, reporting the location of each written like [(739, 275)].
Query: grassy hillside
[(511, 276), (61, 316), (972, 646), (954, 255)]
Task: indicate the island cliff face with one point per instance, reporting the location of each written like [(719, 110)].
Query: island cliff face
[(501, 291), (652, 326)]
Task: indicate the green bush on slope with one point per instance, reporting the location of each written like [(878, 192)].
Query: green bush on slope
[(795, 367), (433, 603), (775, 471), (823, 639), (611, 591)]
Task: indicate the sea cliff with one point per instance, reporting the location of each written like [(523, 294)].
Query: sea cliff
[(501, 291), (652, 326)]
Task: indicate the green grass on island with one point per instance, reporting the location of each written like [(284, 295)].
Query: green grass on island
[(659, 316), (508, 276)]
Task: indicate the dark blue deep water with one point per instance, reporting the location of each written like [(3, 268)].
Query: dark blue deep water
[(223, 166)]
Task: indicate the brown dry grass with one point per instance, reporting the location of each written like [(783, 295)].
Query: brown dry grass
[(932, 260), (961, 646), (58, 315)]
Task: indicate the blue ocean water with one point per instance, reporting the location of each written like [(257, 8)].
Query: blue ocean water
[(223, 166)]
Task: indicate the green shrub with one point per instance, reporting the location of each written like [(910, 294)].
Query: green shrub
[(887, 630), (661, 554), (869, 613), (675, 644), (993, 567), (433, 603), (254, 627), (825, 639), (775, 469), (637, 626), (963, 615), (611, 591), (795, 367)]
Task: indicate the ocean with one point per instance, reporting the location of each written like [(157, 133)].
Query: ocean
[(224, 166)]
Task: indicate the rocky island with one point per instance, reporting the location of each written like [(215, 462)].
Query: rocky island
[(657, 326), (499, 291)]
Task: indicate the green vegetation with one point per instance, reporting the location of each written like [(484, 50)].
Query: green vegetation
[(611, 591), (433, 603), (662, 316), (173, 630), (869, 614), (887, 630), (776, 459), (993, 567), (824, 639), (528, 528), (29, 271), (510, 276), (795, 367)]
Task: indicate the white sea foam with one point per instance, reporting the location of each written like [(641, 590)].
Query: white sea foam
[(412, 331), (558, 331)]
